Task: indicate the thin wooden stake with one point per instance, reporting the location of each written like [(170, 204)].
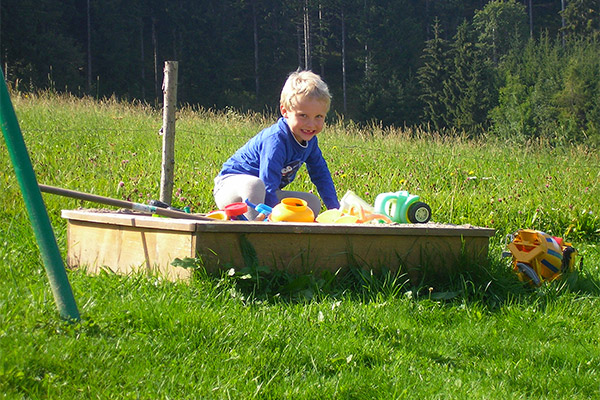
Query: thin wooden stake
[(168, 131)]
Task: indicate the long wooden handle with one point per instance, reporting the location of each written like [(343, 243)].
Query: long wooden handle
[(165, 212)]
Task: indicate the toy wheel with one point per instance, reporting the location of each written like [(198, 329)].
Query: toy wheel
[(419, 213), (527, 270)]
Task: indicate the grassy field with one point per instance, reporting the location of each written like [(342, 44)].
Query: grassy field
[(481, 335)]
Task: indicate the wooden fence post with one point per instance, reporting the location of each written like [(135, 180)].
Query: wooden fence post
[(168, 131)]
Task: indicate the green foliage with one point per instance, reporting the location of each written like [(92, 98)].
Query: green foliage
[(582, 19), (253, 331), (500, 26), (405, 63), (469, 92), (37, 49), (389, 102), (577, 102), (513, 117), (432, 76), (550, 91)]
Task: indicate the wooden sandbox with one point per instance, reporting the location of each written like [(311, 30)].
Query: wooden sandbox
[(127, 242)]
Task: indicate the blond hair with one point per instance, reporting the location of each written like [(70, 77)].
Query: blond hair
[(300, 84)]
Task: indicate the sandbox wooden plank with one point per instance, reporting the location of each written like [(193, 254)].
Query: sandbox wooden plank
[(131, 219), (126, 242)]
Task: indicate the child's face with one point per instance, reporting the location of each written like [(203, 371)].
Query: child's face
[(307, 118)]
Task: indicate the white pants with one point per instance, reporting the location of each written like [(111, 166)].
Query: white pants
[(234, 188)]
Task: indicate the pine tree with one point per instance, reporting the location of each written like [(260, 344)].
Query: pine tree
[(36, 48), (432, 77), (468, 93), (582, 19), (501, 25), (577, 102)]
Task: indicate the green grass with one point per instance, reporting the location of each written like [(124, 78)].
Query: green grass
[(480, 335)]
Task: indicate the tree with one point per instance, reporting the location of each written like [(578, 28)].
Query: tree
[(36, 49), (432, 77), (115, 47), (577, 102), (501, 25), (531, 78), (582, 19), (447, 14), (468, 92), (513, 116)]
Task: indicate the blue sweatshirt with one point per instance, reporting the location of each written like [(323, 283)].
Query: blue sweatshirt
[(275, 156)]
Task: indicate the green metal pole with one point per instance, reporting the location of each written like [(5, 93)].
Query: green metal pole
[(38, 215)]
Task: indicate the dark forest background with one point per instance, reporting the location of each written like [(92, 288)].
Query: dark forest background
[(517, 69)]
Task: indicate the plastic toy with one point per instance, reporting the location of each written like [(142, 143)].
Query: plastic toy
[(161, 204), (235, 211), (403, 207), (292, 209), (335, 216), (218, 214), (263, 210), (539, 257), (351, 202), (352, 209)]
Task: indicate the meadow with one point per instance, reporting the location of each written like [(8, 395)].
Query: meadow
[(480, 335)]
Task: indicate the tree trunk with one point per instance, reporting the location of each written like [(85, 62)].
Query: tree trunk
[(255, 28), (321, 53), (307, 55), (300, 50), (344, 59), (531, 18), (427, 23), (562, 21), (89, 49), (366, 47), (155, 47), (142, 56)]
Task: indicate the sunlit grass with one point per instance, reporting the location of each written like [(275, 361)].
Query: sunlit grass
[(480, 335)]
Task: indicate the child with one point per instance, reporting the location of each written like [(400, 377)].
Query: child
[(269, 161)]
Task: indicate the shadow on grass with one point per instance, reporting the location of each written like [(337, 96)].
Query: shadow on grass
[(492, 284), (489, 282)]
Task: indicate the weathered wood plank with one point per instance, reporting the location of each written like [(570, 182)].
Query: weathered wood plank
[(127, 242)]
